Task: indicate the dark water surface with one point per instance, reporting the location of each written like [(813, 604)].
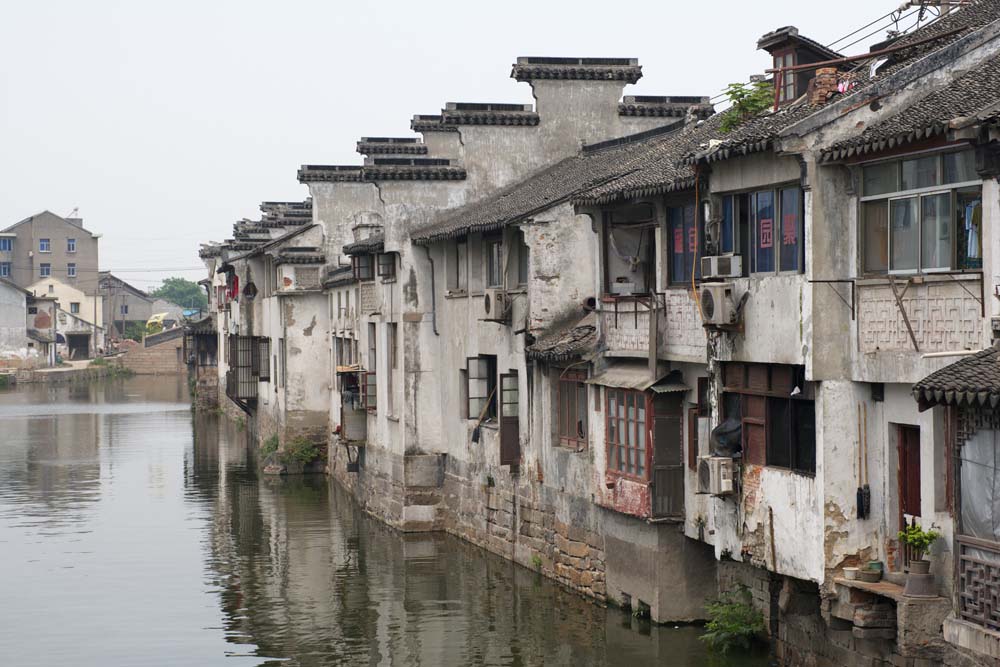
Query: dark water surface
[(133, 532)]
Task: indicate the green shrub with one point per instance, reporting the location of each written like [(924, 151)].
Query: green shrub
[(733, 621), (918, 539), (300, 450), (536, 561), (747, 101), (269, 446), (99, 361)]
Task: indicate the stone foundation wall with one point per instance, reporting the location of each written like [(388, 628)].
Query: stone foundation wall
[(205, 388)]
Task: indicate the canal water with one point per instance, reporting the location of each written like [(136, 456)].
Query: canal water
[(135, 532)]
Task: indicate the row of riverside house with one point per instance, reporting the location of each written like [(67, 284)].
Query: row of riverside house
[(654, 359)]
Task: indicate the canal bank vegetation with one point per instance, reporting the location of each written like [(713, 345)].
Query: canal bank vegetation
[(733, 622)]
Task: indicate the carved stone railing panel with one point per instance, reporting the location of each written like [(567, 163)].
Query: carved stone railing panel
[(369, 298), (945, 315)]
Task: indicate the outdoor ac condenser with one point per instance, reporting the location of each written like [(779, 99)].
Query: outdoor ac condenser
[(496, 305), (717, 305), (722, 266), (715, 475)]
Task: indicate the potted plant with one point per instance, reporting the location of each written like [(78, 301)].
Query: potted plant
[(919, 541)]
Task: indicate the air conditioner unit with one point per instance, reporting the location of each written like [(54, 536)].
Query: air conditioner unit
[(715, 475), (722, 266), (717, 304), (496, 306)]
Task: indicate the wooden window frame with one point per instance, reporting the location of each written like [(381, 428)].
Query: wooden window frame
[(487, 365), (641, 452), (386, 266), (757, 384), (572, 380), (686, 227), (362, 267), (490, 242)]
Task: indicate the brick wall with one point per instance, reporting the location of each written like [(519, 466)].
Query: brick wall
[(166, 358)]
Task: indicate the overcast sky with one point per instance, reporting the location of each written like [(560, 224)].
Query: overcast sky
[(166, 122)]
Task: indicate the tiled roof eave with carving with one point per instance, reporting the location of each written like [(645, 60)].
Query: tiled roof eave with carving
[(582, 73), (491, 118), (300, 258), (973, 381), (970, 99), (662, 111), (383, 173), (373, 244), (391, 149)]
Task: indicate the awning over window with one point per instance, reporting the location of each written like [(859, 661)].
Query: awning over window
[(627, 376), (353, 368), (669, 385)]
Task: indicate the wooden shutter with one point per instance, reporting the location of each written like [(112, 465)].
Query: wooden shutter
[(668, 456), (510, 441), (754, 429), (693, 438), (909, 469)]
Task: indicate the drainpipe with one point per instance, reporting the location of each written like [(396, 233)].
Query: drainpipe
[(434, 319)]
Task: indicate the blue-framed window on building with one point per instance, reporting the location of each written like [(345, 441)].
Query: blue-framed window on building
[(70, 245), (4, 269), (6, 245), (777, 230), (44, 245), (71, 270), (44, 270), (683, 239)]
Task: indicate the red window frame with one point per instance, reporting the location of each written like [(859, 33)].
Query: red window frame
[(628, 456)]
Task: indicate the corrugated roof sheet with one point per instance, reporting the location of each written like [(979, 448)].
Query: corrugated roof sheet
[(627, 376)]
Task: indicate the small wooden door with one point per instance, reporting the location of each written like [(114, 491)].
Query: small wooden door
[(667, 495), (908, 475), (510, 439)]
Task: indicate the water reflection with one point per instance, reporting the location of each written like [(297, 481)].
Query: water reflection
[(134, 532)]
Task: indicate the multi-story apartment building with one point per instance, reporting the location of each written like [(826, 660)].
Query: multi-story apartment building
[(657, 358), (47, 245)]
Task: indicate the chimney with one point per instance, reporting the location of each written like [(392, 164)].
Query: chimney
[(76, 222), (584, 87), (823, 85)]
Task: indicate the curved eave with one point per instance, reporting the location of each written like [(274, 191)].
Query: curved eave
[(864, 148)]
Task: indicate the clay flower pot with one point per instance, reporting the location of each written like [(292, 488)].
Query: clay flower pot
[(920, 566)]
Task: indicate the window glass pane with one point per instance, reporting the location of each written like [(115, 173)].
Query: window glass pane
[(462, 264), (726, 235), (675, 224), (522, 261), (581, 411), (691, 245), (804, 450), (969, 228), (960, 167), (920, 173), (880, 178), (904, 234), (875, 236), (791, 236), (935, 232), (778, 446), (764, 232)]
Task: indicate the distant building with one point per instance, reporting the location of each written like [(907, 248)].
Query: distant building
[(27, 334), (47, 245), (83, 310), (122, 303)]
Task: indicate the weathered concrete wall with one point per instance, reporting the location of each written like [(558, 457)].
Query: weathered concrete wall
[(13, 323), (26, 257)]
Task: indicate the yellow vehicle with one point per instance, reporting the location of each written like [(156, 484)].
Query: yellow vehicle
[(155, 323)]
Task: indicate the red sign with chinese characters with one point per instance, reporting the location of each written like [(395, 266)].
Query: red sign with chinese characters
[(766, 233), (678, 241), (789, 229)]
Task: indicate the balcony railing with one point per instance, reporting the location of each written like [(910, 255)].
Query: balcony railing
[(979, 581), (629, 324)]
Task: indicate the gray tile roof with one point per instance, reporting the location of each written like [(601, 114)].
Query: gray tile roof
[(373, 244), (972, 381), (564, 181), (974, 94), (758, 134), (565, 341)]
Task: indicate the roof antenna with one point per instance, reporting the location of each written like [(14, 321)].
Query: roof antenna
[(75, 213)]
